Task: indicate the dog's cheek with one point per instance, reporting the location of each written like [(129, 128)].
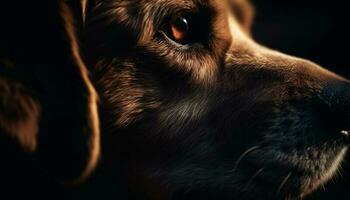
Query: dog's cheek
[(127, 92), (19, 114)]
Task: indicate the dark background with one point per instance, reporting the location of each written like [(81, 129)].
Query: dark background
[(312, 29), (316, 30)]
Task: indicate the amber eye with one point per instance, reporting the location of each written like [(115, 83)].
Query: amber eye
[(187, 29), (179, 29)]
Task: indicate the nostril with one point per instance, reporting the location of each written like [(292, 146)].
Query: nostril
[(346, 136), (334, 120), (335, 111)]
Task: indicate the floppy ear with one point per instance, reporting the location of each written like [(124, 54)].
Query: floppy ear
[(71, 143), (47, 101), (244, 12)]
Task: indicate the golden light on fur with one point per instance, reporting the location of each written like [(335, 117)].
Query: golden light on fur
[(92, 119), (191, 107)]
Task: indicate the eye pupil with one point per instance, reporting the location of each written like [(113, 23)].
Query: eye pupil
[(181, 24), (180, 28)]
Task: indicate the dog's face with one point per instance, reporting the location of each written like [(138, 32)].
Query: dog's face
[(194, 108)]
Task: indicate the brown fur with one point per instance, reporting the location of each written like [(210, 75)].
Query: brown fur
[(220, 117), (197, 121)]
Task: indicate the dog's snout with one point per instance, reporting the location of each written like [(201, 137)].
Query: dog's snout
[(336, 113)]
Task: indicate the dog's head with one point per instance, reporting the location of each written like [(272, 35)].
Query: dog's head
[(195, 108)]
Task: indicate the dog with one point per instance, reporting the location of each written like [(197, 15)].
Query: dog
[(191, 107)]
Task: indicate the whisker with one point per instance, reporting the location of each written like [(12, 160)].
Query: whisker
[(282, 184), (252, 178), (340, 171), (243, 155)]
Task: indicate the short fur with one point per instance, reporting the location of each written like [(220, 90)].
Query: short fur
[(220, 118), (225, 118)]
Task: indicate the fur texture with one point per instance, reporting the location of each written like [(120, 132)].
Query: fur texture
[(220, 118)]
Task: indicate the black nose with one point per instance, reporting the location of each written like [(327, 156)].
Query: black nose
[(335, 113), (345, 135)]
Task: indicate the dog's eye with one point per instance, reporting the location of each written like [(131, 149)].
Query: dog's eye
[(187, 29), (179, 29)]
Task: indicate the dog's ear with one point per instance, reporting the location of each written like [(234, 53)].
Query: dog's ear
[(71, 145), (47, 101), (244, 12)]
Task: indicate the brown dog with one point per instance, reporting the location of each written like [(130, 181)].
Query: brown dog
[(193, 108)]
